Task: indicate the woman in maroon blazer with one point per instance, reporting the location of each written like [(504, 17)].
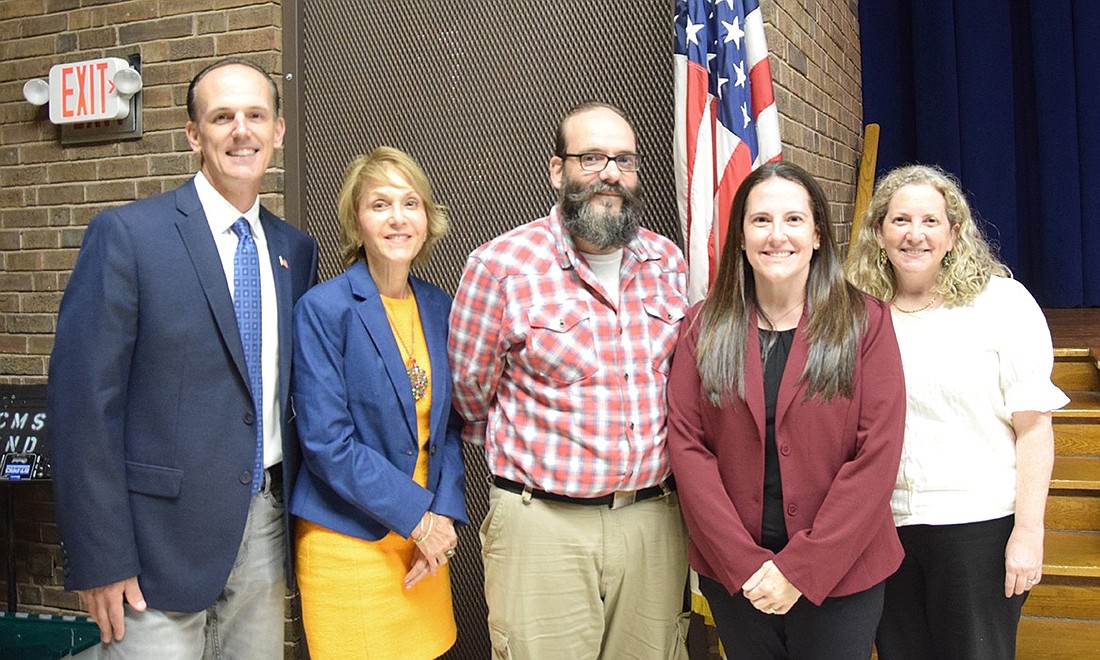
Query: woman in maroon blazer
[(787, 409)]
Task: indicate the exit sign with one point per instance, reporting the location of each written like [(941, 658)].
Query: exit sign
[(85, 91)]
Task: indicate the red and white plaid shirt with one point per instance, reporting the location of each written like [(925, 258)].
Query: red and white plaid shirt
[(566, 390)]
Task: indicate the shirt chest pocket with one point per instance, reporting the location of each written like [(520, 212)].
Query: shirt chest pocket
[(561, 342), (664, 316)]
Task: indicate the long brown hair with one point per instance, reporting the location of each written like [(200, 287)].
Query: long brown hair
[(837, 313)]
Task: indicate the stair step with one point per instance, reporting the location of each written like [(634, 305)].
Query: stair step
[(1075, 369), (1076, 473), (1077, 425), (1073, 510), (1057, 639), (1072, 554), (1064, 598)]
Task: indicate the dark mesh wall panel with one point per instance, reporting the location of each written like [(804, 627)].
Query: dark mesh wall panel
[(473, 90)]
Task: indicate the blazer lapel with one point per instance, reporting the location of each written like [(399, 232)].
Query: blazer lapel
[(278, 248), (373, 317), (790, 386), (195, 232), (754, 377), (434, 322)]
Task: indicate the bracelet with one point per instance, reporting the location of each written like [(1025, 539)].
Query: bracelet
[(424, 536)]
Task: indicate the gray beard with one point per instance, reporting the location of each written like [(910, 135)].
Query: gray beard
[(605, 231)]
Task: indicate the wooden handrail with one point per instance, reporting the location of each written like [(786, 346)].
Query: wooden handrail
[(865, 186)]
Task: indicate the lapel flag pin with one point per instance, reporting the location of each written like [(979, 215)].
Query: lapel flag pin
[(283, 263)]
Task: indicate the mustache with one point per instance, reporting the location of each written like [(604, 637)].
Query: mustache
[(583, 194)]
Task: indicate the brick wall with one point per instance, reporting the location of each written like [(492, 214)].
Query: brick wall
[(816, 69), (49, 193)]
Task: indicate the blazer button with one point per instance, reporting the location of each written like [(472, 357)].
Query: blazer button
[(432, 451), (249, 418), (792, 509), (245, 476), (785, 450)]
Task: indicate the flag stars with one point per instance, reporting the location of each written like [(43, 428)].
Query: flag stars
[(692, 31), (734, 32), (739, 70), (745, 115)]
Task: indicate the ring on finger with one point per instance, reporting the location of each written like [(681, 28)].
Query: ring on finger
[(1032, 580), (450, 553)]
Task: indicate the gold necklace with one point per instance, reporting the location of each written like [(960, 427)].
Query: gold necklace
[(417, 376), (781, 317), (928, 304)]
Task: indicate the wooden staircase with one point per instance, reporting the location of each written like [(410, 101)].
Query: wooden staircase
[(1062, 615)]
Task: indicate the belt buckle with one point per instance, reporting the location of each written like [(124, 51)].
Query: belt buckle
[(623, 498)]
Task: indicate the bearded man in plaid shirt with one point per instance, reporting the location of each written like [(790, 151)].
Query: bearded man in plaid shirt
[(562, 332)]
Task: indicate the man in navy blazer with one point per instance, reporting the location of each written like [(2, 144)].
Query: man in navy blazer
[(174, 550)]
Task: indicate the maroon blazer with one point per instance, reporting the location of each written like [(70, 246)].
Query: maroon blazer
[(838, 460)]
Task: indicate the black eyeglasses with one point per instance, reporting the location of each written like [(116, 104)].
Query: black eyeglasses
[(594, 162)]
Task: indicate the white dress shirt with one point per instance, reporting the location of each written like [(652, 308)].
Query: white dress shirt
[(221, 215)]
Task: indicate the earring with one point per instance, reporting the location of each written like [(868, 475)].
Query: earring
[(882, 260), (948, 259)]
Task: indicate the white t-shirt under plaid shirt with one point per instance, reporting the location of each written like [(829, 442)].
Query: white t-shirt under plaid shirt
[(566, 388)]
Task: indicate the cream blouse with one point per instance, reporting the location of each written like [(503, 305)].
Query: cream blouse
[(967, 369)]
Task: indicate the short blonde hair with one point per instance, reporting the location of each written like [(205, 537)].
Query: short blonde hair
[(375, 168), (962, 276)]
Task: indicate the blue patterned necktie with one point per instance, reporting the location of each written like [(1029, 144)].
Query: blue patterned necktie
[(246, 304)]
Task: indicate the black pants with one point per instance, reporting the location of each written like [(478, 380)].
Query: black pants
[(947, 600), (840, 628)]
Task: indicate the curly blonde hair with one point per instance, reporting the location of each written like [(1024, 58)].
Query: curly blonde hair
[(376, 168), (963, 274)]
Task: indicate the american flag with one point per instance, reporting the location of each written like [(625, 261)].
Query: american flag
[(726, 121)]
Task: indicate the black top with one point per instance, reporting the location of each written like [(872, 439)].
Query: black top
[(775, 346)]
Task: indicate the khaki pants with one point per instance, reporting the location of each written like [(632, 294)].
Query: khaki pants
[(575, 581)]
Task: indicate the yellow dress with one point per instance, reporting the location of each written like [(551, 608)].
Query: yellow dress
[(354, 604)]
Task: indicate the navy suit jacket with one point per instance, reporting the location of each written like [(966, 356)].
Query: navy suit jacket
[(357, 417), (838, 460), (151, 419)]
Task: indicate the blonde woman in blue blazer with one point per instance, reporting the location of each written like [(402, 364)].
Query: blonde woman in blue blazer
[(382, 484)]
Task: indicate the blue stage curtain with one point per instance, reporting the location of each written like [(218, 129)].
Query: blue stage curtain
[(1005, 94)]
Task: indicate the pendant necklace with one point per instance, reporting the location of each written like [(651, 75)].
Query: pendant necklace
[(417, 376)]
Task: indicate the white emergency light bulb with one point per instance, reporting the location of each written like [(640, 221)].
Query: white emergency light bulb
[(127, 82), (36, 91)]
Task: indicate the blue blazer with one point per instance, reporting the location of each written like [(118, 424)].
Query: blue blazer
[(357, 417), (151, 419)]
